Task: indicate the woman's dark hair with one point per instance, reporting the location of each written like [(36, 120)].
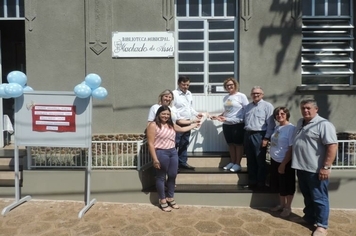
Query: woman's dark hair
[(284, 109), (158, 120)]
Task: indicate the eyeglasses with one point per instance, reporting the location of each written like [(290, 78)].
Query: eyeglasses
[(227, 85), (256, 94)]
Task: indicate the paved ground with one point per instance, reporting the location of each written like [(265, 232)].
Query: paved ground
[(60, 218)]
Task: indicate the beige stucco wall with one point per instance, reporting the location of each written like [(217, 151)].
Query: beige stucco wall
[(55, 53), (60, 52), (270, 52), (270, 57), (59, 55), (137, 82)]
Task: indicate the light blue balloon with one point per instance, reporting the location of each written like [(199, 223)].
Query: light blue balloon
[(93, 80), (17, 77), (99, 93), (82, 91), (27, 88), (14, 90), (2, 91)]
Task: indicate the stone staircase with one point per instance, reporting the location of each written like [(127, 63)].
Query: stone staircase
[(210, 177), (209, 184), (7, 168)]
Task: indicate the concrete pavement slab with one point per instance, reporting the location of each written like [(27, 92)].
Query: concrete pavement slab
[(60, 218)]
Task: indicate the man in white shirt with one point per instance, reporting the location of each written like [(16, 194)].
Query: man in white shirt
[(183, 102)]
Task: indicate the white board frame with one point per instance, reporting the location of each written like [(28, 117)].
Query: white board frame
[(26, 136)]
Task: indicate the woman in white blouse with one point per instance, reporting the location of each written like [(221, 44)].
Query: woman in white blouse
[(282, 176), (233, 126), (166, 98)]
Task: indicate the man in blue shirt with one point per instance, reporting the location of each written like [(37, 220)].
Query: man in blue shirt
[(259, 126)]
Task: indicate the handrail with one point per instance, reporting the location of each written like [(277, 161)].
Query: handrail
[(135, 155)]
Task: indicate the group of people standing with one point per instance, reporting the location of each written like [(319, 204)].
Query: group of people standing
[(247, 127), (169, 124), (309, 147)]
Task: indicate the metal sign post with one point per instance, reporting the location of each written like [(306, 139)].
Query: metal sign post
[(17, 201)]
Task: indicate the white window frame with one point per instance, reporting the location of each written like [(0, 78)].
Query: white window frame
[(211, 87), (17, 11), (324, 56)]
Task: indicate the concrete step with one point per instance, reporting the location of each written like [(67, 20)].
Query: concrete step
[(7, 178), (7, 163), (212, 175), (212, 161), (216, 188), (11, 153), (7, 159), (209, 170)]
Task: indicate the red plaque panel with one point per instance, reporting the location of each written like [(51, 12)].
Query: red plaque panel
[(53, 118)]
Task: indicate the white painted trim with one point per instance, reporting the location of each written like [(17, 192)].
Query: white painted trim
[(1, 106)]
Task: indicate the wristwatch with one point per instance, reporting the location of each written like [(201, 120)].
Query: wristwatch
[(326, 167)]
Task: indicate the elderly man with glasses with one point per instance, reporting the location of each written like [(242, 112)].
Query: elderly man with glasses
[(259, 126)]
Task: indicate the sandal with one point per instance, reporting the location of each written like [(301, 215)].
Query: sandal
[(165, 207), (173, 204), (277, 208), (286, 212)]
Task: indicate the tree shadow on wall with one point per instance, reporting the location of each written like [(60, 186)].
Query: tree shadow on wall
[(286, 29), (287, 25)]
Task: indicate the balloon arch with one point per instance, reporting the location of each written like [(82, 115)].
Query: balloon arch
[(17, 84)]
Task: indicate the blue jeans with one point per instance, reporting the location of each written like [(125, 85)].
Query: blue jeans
[(182, 142), (316, 198), (256, 157), (168, 159)]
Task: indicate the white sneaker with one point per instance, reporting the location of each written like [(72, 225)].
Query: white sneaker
[(228, 166), (235, 168)]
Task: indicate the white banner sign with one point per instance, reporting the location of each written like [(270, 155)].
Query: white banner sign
[(142, 44)]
